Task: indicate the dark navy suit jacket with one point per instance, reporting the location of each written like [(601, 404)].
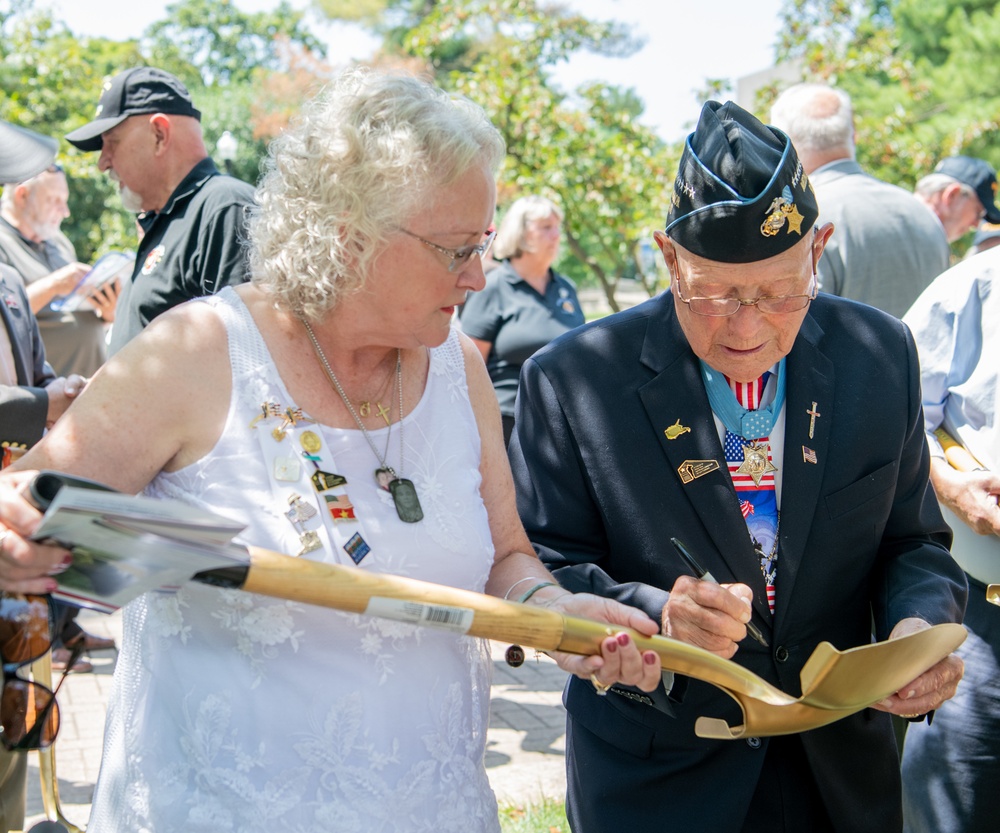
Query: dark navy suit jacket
[(861, 540), (24, 408)]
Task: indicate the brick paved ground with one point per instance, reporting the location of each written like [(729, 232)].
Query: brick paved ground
[(525, 746)]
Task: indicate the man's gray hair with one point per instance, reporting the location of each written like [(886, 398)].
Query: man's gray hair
[(352, 168), (816, 117), (935, 183)]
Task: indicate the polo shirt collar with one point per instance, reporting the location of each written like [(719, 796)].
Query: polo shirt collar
[(196, 177)]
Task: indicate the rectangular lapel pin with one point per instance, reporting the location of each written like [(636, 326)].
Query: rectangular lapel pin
[(808, 455), (691, 470)]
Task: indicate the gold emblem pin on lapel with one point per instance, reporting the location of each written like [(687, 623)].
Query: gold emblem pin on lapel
[(691, 470), (812, 413), (675, 430)]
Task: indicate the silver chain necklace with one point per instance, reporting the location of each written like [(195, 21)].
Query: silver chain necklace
[(404, 493)]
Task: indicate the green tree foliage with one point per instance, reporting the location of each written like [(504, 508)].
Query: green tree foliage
[(922, 75), (589, 152), (52, 79), (214, 43)]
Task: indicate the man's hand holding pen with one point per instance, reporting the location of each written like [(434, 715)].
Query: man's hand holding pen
[(698, 613), (711, 616)]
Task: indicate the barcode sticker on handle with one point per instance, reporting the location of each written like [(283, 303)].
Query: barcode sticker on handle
[(454, 619)]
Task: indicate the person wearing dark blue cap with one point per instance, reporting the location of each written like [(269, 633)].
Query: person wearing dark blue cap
[(148, 133), (961, 192), (778, 433)]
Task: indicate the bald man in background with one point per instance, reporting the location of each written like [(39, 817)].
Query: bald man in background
[(149, 136), (887, 247)]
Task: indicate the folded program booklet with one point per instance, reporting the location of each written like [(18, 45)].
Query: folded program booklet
[(109, 267), (124, 545)]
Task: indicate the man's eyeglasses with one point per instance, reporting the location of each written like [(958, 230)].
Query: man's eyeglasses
[(768, 304), (459, 257), (29, 714)]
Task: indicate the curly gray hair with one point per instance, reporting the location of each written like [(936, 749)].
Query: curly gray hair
[(351, 169)]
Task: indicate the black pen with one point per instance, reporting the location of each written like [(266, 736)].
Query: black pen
[(705, 575)]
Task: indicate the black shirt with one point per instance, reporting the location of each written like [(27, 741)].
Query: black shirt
[(511, 315), (193, 247)]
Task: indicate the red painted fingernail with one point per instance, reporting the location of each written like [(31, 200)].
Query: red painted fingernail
[(650, 659), (612, 647), (623, 639)]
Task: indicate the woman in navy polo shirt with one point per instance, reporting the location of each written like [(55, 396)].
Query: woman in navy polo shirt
[(525, 303)]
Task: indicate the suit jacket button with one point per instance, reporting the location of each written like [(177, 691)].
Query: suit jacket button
[(753, 743), (781, 653)]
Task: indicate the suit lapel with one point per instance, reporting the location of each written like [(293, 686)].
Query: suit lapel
[(810, 387), (675, 400), (11, 300)]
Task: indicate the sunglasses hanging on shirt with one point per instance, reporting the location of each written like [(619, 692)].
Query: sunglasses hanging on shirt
[(29, 714)]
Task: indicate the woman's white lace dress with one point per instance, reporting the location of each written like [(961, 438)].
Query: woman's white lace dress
[(238, 712)]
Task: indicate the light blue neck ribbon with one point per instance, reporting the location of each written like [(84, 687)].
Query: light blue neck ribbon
[(748, 424)]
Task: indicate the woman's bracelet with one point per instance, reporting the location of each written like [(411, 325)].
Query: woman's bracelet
[(535, 589), (506, 596)]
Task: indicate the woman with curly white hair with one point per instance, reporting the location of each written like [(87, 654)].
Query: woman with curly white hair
[(330, 407)]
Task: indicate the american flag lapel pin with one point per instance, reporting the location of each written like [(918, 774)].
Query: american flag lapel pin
[(808, 455)]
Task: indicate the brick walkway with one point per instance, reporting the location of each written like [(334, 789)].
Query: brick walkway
[(525, 745)]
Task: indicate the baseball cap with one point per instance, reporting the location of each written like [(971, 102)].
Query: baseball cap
[(741, 194), (23, 153), (132, 93), (979, 176)]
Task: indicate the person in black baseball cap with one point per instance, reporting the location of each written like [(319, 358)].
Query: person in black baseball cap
[(962, 193), (133, 93), (738, 397), (148, 133)]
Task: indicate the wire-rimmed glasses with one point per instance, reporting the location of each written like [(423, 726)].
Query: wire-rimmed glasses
[(459, 257), (768, 304)]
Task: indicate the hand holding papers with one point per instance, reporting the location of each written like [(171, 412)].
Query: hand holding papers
[(123, 545), (109, 267)]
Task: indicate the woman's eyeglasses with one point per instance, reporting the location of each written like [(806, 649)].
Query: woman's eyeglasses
[(459, 257), (29, 714)]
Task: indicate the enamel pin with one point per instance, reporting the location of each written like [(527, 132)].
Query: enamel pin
[(675, 430), (691, 470), (812, 413)]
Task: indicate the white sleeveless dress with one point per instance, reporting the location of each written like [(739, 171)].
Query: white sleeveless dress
[(238, 712)]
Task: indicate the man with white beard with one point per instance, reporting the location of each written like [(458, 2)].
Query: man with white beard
[(31, 213), (149, 135)]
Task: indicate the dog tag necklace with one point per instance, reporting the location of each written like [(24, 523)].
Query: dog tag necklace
[(404, 493)]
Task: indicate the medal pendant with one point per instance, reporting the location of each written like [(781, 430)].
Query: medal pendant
[(404, 496), (755, 463)]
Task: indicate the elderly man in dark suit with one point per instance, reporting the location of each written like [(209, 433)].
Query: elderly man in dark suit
[(780, 436), (31, 396)]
